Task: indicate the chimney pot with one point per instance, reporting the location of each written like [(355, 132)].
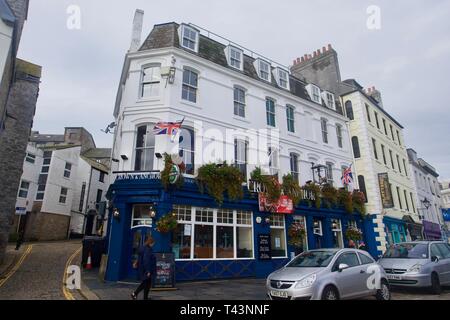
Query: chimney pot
[(315, 54), (324, 49), (303, 59), (330, 47), (298, 60)]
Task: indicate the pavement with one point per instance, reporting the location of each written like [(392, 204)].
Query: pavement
[(37, 272)]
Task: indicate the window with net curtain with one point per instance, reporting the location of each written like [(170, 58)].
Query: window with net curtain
[(145, 148)]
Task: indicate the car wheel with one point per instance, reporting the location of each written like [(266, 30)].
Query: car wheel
[(330, 293), (435, 284), (384, 294)]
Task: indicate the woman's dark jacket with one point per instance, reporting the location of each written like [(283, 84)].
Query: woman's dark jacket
[(147, 262)]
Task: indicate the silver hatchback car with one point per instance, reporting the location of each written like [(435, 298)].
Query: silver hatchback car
[(418, 264), (329, 274)]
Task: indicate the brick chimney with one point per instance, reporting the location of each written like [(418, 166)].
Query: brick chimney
[(320, 68), (375, 94), (137, 30)]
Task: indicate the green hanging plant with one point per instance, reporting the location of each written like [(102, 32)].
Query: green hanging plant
[(345, 199), (359, 202), (269, 183), (166, 174), (329, 196), (314, 189), (292, 189), (218, 180), (167, 223)]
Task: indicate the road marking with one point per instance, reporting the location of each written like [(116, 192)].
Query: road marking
[(67, 294), (17, 265)]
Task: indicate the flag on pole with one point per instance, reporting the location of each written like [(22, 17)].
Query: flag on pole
[(347, 176), (168, 128)]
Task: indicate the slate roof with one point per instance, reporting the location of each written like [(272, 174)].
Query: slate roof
[(6, 14), (166, 35)]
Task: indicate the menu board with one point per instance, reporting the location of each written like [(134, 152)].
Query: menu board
[(165, 271), (264, 247), (385, 190)]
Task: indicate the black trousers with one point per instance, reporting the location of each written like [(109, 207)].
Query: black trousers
[(144, 286)]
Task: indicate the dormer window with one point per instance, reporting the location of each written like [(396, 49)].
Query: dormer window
[(283, 78), (314, 93), (328, 97), (189, 38), (235, 57), (263, 68)]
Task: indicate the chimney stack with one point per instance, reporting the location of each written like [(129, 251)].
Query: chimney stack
[(137, 30), (375, 94)]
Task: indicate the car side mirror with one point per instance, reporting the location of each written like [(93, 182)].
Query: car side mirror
[(342, 267), (435, 259)]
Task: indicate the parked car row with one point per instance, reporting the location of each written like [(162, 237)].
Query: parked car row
[(333, 274)]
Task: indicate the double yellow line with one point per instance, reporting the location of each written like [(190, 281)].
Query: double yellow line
[(16, 266), (67, 294)]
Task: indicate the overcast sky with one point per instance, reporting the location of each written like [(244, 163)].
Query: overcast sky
[(407, 59)]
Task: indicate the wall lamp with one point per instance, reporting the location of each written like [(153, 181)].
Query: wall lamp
[(116, 214), (124, 157)]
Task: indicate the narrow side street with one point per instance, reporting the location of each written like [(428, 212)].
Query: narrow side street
[(40, 274)]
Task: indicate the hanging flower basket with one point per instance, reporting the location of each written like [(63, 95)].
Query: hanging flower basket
[(296, 234), (167, 223), (354, 234)]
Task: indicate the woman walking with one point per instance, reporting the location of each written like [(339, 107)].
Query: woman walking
[(147, 267)]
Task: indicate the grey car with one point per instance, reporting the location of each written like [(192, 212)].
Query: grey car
[(329, 274), (418, 264)]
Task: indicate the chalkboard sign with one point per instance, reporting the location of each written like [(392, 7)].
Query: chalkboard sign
[(165, 271), (264, 247)]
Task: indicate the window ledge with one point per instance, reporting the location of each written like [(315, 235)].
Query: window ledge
[(191, 104), (235, 117), (327, 146), (312, 141), (293, 134), (152, 99)]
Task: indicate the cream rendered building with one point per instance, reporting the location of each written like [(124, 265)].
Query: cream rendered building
[(378, 147)]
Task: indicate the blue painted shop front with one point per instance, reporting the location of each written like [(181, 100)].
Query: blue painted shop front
[(325, 229)]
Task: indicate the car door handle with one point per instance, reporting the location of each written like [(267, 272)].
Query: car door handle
[(362, 272)]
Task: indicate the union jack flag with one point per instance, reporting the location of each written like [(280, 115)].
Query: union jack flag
[(347, 176), (167, 128)]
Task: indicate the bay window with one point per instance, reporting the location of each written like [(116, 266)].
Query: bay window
[(211, 234)]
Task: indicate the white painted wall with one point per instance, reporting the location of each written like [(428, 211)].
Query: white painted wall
[(214, 109)]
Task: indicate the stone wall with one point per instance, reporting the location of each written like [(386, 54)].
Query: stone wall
[(43, 226), (13, 141)]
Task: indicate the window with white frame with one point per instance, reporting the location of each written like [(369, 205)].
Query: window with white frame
[(190, 85), (337, 237), (290, 115), (317, 227), (30, 158), (151, 79), (329, 99), (235, 57), (330, 168), (270, 112), (145, 148), (273, 161), (283, 78), (23, 189), (324, 126), (339, 136), (142, 215), (264, 70), (67, 170), (295, 172), (239, 102), (241, 156), (189, 38), (212, 234), (278, 236), (63, 195), (187, 149), (300, 220), (314, 91)]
